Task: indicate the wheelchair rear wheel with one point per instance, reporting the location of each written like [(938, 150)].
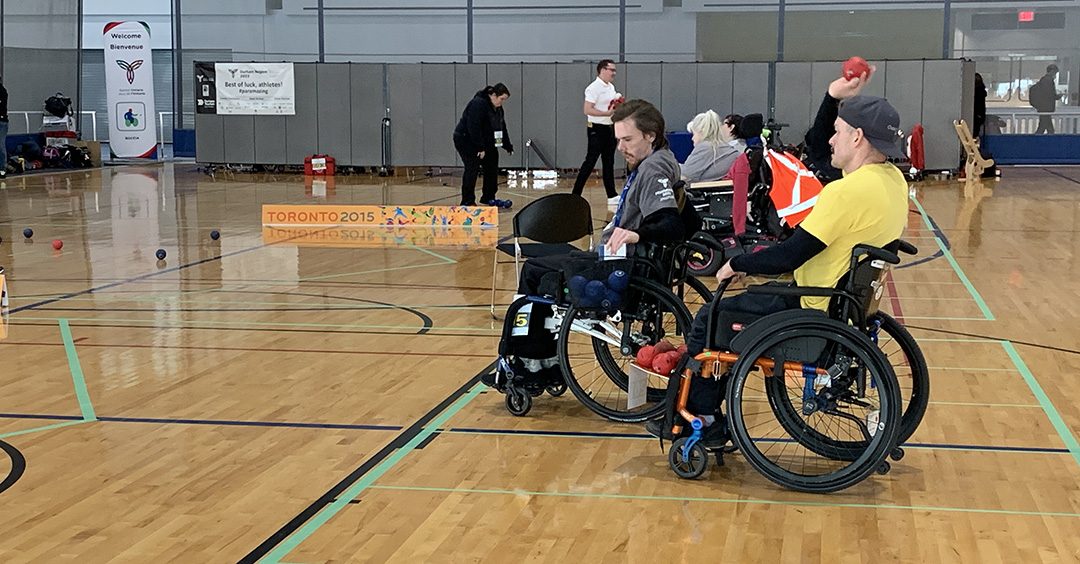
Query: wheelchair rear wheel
[(596, 349), (843, 428), (907, 360)]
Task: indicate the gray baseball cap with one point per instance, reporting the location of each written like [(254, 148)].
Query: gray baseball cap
[(879, 121)]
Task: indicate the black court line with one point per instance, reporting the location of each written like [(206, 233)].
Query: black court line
[(406, 436), (326, 499), (93, 324), (216, 422), (18, 466), (1059, 175), (992, 338)]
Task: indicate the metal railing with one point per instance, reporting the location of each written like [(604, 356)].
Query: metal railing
[(26, 118), (1027, 123)]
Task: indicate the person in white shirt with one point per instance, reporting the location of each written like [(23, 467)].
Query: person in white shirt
[(601, 99)]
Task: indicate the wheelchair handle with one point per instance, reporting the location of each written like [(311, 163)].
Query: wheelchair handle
[(876, 254), (907, 248)]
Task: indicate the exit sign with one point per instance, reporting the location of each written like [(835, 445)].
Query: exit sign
[(1026, 16)]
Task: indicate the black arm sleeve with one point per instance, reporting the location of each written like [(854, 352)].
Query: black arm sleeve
[(662, 226), (817, 138), (783, 258)]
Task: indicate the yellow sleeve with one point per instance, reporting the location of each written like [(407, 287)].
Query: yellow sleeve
[(829, 219)]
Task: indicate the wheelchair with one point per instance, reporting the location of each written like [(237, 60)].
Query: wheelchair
[(812, 402), (595, 344)]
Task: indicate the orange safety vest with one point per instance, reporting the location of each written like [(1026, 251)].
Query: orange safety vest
[(794, 188)]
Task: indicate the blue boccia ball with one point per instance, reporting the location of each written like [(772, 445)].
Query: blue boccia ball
[(577, 286), (595, 290), (28, 233), (160, 254), (612, 300), (215, 235), (618, 281)]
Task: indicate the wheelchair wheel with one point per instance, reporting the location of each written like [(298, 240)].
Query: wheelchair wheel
[(907, 360), (693, 465), (518, 402), (832, 440), (592, 347), (694, 293), (556, 390), (704, 264)]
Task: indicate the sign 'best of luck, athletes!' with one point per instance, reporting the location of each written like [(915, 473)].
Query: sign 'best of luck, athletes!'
[(255, 88), (129, 90)]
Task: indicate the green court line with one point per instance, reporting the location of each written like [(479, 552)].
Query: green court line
[(434, 254), (735, 501), (374, 271), (240, 324), (77, 378), (1048, 406), (44, 428), (342, 501), (956, 266)]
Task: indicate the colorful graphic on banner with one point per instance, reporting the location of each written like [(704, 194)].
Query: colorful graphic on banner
[(255, 89), (336, 216), (129, 90), (205, 88), (383, 236)]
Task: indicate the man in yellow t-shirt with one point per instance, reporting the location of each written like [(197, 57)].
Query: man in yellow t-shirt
[(868, 206)]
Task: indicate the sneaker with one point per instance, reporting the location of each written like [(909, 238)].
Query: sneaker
[(471, 204), (613, 201), (655, 427)]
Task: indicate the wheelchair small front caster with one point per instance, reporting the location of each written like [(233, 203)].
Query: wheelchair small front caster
[(884, 468), (695, 464), (557, 390), (518, 402), (897, 454)]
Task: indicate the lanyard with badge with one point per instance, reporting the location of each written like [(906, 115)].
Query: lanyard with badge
[(622, 198)]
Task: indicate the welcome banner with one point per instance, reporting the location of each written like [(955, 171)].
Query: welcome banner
[(129, 90)]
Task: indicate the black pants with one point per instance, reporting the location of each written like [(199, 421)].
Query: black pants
[(601, 146), (490, 163), (1046, 124), (707, 393)]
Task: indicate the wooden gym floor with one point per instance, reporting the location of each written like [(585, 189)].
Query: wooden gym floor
[(298, 403)]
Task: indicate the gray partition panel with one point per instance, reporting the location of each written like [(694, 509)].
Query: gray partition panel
[(302, 129), (270, 139), (751, 91), (468, 79), (538, 107), (941, 105), (239, 139), (903, 85), (510, 75), (407, 142), (967, 98), (643, 80), (679, 96), (334, 111), (822, 73), (209, 139), (795, 102), (877, 81), (438, 113), (714, 87), (571, 79), (368, 109)]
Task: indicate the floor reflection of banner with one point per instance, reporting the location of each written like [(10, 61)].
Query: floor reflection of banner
[(348, 215), (383, 236)]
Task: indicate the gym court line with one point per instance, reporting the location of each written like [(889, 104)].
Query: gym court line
[(78, 380)]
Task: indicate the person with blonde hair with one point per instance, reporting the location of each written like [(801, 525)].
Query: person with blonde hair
[(712, 155)]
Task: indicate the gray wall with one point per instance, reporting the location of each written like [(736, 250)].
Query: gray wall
[(339, 106)]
